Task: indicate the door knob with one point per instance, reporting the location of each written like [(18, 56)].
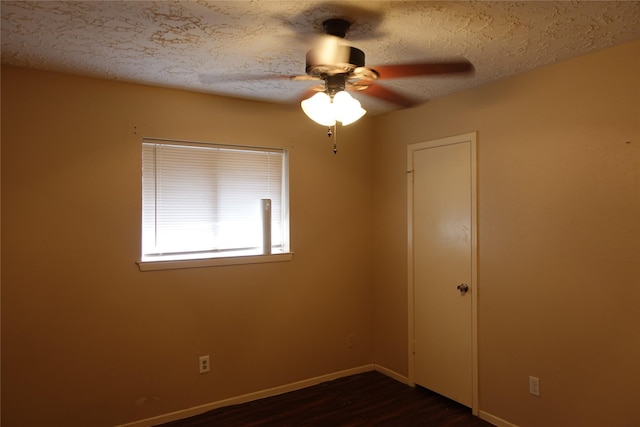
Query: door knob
[(463, 288)]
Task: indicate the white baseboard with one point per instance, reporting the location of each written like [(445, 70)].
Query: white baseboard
[(495, 420), (393, 374), (499, 422), (196, 410)]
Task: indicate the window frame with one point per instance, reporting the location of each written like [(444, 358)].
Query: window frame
[(213, 259)]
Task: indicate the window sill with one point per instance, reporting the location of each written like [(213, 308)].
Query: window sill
[(213, 262)]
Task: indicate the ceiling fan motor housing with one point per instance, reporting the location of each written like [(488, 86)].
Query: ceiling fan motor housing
[(342, 59)]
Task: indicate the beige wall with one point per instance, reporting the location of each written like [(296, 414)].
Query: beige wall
[(559, 237), (88, 339)]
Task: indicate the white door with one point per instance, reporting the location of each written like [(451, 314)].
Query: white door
[(442, 254)]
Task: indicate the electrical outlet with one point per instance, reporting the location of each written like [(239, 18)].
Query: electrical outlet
[(534, 386), (204, 364)]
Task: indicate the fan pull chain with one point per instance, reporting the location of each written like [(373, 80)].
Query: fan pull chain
[(334, 133)]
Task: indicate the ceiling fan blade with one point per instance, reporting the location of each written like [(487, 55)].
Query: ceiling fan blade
[(388, 95), (394, 71), (303, 78)]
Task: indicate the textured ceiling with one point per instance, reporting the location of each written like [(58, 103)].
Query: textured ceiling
[(233, 48)]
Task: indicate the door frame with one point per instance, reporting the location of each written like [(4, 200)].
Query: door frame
[(471, 138)]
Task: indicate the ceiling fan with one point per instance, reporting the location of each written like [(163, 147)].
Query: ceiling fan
[(342, 68)]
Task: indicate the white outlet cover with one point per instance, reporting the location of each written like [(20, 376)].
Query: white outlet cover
[(534, 386), (204, 364)]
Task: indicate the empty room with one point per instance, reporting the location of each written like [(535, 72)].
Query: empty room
[(468, 223)]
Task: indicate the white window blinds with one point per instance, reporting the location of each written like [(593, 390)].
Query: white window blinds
[(204, 200)]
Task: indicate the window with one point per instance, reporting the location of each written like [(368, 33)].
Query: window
[(211, 201)]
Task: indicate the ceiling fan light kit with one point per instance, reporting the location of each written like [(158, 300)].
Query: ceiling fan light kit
[(327, 110)]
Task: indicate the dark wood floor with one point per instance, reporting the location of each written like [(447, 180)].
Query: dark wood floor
[(368, 399)]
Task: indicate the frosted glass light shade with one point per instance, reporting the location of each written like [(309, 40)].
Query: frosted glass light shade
[(347, 109), (319, 109), (326, 111)]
